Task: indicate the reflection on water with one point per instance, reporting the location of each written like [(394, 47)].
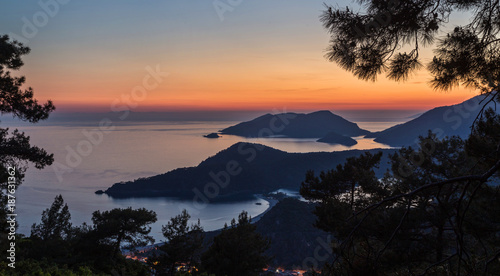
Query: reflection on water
[(32, 201), (378, 126), (310, 145), (133, 151)]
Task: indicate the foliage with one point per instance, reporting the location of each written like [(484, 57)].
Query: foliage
[(182, 245), (81, 250), (43, 268), (427, 215), (15, 148), (436, 200), (387, 36), (237, 250), (55, 222), (123, 225)]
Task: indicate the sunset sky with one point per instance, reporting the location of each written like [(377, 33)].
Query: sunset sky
[(260, 55)]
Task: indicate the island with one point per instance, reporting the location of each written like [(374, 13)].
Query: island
[(335, 138), (296, 125), (212, 135), (238, 173)]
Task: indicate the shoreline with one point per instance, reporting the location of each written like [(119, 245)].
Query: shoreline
[(272, 202)]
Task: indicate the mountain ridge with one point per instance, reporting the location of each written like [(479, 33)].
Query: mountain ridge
[(237, 172), (451, 120), (296, 125)]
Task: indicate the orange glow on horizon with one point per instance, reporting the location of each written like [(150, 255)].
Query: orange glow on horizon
[(269, 57), (231, 81), (177, 94)]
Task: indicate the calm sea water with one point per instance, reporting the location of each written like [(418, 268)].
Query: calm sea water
[(132, 151)]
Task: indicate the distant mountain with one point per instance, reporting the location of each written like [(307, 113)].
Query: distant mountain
[(454, 120), (335, 138), (237, 172), (296, 125)]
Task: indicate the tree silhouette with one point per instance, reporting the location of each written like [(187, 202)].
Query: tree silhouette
[(436, 211), (57, 248), (424, 216), (389, 35), (55, 231), (117, 226), (183, 243), (55, 222), (237, 250), (15, 148)]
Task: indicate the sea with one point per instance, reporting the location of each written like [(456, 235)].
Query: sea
[(130, 151)]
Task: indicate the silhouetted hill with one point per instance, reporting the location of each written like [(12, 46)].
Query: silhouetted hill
[(334, 138), (444, 121), (296, 125), (294, 239), (240, 170)]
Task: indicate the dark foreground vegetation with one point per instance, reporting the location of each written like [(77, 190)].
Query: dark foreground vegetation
[(55, 247), (435, 212)]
